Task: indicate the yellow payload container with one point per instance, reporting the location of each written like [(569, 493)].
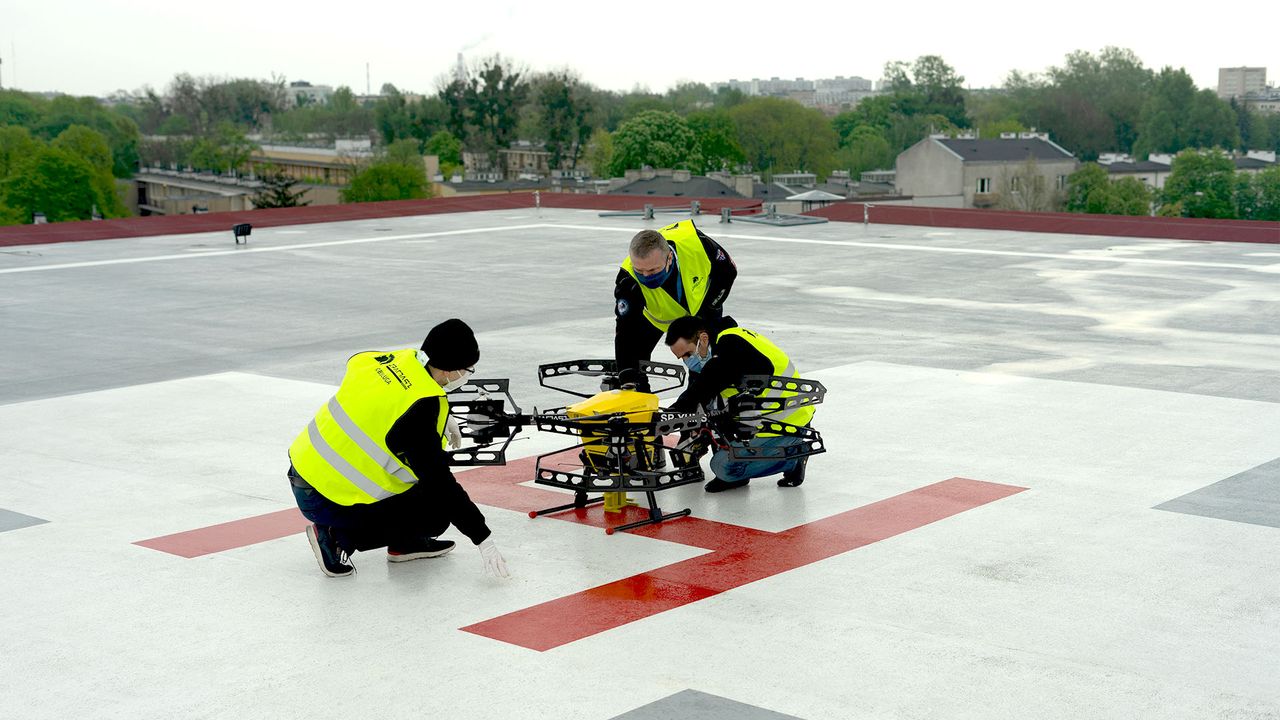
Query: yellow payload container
[(603, 459)]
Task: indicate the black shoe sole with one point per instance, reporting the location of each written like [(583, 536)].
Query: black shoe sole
[(315, 548), (406, 557), (726, 487)]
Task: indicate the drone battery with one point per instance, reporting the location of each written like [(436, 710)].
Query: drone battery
[(606, 453)]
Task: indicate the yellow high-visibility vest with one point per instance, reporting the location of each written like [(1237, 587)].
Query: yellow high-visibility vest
[(343, 452), (660, 308), (782, 366)]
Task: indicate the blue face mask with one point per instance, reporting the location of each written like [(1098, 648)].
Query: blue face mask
[(696, 362), (654, 281)]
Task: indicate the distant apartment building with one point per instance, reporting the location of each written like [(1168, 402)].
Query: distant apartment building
[(301, 92), (828, 94), (1266, 100), (1239, 81), (521, 160), (159, 191), (967, 172), (313, 165)]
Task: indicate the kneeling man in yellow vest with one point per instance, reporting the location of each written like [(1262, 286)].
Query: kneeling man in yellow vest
[(371, 471), (717, 364)]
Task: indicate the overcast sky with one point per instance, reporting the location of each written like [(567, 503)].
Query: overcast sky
[(94, 47)]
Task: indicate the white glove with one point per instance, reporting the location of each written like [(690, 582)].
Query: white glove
[(452, 432), (494, 565)]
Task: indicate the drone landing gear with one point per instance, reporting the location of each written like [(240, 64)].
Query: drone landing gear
[(581, 501)]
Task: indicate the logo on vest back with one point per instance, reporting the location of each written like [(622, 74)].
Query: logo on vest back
[(399, 375), (385, 359)]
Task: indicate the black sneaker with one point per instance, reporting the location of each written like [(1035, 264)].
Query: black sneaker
[(794, 476), (424, 548), (334, 561), (718, 485)]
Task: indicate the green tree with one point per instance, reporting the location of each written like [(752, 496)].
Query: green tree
[(1201, 184), (208, 102), (942, 89), (16, 144), (495, 92), (656, 138), (19, 108), (391, 115), (405, 152), (865, 149), (599, 154), (781, 135), (686, 97), (1255, 134), (120, 132), (562, 109), (448, 149), (227, 149), (10, 216), (387, 180), (278, 191), (1175, 116), (716, 136), (1129, 196), (1266, 186), (1092, 103), (90, 146), (1089, 181), (55, 182)]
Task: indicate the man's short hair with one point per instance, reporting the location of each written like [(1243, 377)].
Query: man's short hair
[(646, 242), (686, 328)]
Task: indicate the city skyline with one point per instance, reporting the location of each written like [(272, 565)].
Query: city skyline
[(674, 43)]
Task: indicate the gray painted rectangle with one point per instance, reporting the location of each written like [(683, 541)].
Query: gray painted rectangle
[(1252, 496), (702, 706), (10, 520)]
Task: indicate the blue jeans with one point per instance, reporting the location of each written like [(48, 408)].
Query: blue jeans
[(738, 470), (399, 519)]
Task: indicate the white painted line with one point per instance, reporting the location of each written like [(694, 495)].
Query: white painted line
[(276, 248), (963, 251), (603, 228)]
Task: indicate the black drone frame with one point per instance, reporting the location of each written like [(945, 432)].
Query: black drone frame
[(618, 443), (479, 407), (608, 369), (754, 409)]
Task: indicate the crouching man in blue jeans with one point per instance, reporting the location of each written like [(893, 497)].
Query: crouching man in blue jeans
[(718, 364), (371, 471)]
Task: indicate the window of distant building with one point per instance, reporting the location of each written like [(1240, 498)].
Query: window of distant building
[(1062, 182), (1015, 184), (984, 185)]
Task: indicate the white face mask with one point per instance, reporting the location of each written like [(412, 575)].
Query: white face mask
[(457, 383)]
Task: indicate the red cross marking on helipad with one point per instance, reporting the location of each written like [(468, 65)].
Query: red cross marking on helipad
[(738, 555)]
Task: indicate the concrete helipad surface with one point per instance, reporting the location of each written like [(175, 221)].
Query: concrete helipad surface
[(1052, 488)]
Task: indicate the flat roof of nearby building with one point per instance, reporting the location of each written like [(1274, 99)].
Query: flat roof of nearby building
[(663, 185), (1049, 487)]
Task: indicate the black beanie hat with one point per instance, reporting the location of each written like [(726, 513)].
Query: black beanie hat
[(451, 345)]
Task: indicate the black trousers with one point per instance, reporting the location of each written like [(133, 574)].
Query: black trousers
[(398, 520)]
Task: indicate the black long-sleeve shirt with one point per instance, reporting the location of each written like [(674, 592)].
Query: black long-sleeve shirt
[(635, 337), (731, 359), (414, 439)]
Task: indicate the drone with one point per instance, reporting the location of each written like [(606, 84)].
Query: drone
[(621, 432)]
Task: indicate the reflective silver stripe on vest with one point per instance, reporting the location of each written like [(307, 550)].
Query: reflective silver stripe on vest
[(788, 371), (366, 443), (344, 468)]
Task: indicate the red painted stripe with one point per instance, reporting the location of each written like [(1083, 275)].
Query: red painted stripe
[(742, 559), (230, 535)]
